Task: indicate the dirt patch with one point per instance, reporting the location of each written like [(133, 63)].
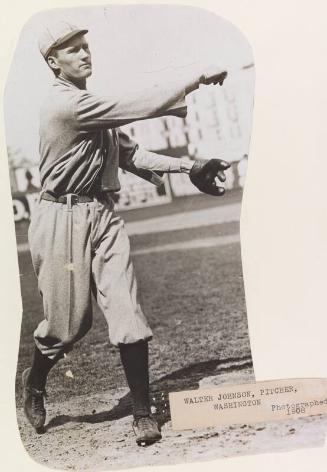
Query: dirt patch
[(90, 433)]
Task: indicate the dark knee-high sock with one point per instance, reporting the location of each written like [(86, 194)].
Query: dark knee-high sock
[(41, 366), (135, 360)]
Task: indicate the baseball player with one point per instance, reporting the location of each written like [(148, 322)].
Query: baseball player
[(78, 243)]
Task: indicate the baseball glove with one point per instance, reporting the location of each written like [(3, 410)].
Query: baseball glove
[(204, 173)]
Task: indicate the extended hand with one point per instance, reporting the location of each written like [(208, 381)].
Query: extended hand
[(213, 75), (204, 174)]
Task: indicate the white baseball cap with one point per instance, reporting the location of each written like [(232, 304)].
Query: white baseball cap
[(57, 34)]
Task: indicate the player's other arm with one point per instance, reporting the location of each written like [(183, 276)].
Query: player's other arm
[(132, 156), (92, 111), (144, 159), (204, 174)]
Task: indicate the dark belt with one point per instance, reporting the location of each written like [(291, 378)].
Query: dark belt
[(74, 198)]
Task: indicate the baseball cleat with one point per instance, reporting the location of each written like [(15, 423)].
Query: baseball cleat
[(146, 430), (33, 400)]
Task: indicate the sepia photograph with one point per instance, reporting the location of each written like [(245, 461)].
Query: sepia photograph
[(128, 136)]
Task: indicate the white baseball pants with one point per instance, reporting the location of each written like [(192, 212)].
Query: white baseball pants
[(76, 250)]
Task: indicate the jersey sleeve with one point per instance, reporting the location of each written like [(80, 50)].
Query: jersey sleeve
[(127, 149), (94, 111), (132, 156)]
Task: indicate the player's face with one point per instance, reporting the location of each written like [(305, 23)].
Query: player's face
[(72, 60)]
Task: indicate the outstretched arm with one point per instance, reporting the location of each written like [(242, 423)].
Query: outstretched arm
[(92, 111)]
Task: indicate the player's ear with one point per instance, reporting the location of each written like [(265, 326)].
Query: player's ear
[(52, 62)]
